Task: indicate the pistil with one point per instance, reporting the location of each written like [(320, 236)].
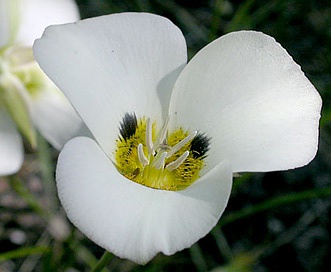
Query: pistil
[(159, 160)]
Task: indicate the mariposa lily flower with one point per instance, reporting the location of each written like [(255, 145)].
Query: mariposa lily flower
[(28, 99), (170, 135)]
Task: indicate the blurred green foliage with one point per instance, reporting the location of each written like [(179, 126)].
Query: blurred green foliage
[(274, 221)]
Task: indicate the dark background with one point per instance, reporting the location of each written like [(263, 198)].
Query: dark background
[(274, 221)]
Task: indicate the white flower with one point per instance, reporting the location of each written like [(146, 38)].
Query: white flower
[(28, 98), (242, 99)]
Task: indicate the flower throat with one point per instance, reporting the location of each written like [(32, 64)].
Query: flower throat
[(166, 161)]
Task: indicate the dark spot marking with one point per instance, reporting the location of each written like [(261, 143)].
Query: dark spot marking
[(128, 126), (200, 146)]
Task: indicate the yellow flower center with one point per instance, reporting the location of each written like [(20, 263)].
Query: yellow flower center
[(166, 161)]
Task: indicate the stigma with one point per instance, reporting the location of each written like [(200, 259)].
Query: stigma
[(165, 160)]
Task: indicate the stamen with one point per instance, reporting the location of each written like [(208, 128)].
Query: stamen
[(162, 137), (183, 142), (159, 161), (149, 140), (141, 156), (175, 164)]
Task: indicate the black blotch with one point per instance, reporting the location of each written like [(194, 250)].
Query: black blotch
[(128, 126), (200, 146)]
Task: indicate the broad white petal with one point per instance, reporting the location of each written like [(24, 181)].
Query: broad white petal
[(111, 65), (131, 220), (55, 118), (11, 147), (246, 93), (29, 18)]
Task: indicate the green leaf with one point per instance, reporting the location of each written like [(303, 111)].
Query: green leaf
[(23, 252)]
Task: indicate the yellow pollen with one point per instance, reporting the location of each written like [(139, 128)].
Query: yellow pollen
[(160, 161)]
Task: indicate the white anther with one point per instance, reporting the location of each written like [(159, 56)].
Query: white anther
[(183, 142), (159, 161), (141, 156), (148, 137), (175, 164)]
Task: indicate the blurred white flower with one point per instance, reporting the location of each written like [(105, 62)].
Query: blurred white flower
[(28, 99), (168, 134)]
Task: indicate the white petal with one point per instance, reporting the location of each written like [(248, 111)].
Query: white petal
[(253, 100), (111, 65), (29, 18), (11, 147), (131, 220), (55, 118)]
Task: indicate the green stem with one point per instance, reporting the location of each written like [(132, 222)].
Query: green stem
[(82, 253), (216, 20), (103, 262), (31, 200), (275, 202), (31, 260), (47, 171), (23, 252), (198, 258), (222, 244)]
